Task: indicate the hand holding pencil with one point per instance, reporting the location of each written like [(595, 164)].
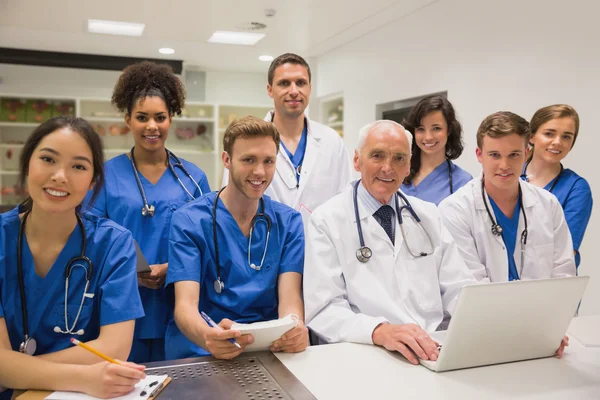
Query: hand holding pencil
[(108, 379)]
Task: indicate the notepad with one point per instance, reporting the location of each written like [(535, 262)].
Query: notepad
[(266, 332), (143, 385)]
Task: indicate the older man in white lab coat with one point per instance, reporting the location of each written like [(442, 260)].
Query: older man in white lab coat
[(505, 228), (313, 164), (414, 274)]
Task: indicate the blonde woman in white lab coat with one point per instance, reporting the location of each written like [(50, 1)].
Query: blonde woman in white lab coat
[(488, 217), (313, 164), (391, 298)]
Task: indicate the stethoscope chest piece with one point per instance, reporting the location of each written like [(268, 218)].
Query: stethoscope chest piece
[(496, 229), (28, 346), (148, 210), (363, 254), (219, 286)]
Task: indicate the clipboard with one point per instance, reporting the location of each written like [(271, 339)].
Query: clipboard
[(142, 264), (42, 394)]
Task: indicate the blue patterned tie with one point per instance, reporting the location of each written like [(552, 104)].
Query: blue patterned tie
[(385, 217)]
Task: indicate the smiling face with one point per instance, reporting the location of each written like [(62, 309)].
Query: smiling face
[(553, 140), (502, 159), (60, 171), (251, 165), (383, 162), (431, 135), (149, 122), (290, 90)]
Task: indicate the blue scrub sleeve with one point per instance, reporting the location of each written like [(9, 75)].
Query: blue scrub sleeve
[(119, 296), (184, 251), (578, 210), (99, 206), (292, 257), (203, 183)]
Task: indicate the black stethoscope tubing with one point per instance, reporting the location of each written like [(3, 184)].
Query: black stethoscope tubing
[(82, 257), (524, 175), (219, 285), (364, 253), (496, 228), (148, 210)]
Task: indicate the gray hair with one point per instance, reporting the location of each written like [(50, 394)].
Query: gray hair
[(381, 126)]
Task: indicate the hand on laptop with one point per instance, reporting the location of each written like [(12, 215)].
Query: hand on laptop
[(561, 350), (408, 339)]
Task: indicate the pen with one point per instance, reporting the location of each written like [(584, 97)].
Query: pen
[(92, 350), (212, 324)]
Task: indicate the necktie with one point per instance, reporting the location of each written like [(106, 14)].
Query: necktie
[(385, 217)]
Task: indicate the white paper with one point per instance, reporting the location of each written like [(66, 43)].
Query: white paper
[(134, 394), (266, 332)]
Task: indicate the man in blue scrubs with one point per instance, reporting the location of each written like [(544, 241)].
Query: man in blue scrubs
[(253, 272)]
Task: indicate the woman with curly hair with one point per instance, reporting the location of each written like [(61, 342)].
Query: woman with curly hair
[(145, 186), (437, 140), (554, 130)]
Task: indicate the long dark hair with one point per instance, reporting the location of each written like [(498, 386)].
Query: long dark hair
[(454, 145), (83, 128)]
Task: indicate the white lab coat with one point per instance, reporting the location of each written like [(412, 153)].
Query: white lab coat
[(345, 299), (549, 249), (326, 171)]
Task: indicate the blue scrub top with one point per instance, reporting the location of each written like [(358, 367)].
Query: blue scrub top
[(436, 186), (298, 157), (510, 226), (121, 201), (113, 283), (249, 295), (575, 196)]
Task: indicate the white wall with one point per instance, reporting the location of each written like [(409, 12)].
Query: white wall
[(237, 87), (516, 55)]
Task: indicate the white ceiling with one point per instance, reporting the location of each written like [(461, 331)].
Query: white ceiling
[(306, 27)]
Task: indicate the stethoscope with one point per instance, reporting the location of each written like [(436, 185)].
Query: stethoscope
[(148, 210), (219, 285), (364, 253), (524, 175), (29, 345), (450, 176), (496, 228)]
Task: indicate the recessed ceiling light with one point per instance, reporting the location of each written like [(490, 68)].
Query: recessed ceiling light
[(115, 27), (241, 38), (166, 50), (266, 58)]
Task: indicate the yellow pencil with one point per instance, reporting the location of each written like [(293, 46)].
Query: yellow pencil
[(96, 352)]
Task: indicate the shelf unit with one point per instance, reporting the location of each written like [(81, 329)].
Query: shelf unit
[(331, 112), (196, 136)]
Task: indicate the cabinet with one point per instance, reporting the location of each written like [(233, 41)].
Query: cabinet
[(196, 136), (331, 112)]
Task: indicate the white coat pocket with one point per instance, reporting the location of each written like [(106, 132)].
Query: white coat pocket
[(422, 285)]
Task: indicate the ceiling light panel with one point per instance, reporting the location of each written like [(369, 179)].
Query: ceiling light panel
[(239, 38), (115, 27)]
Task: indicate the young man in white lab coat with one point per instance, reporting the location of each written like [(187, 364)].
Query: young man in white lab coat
[(398, 295), (505, 228), (313, 164)]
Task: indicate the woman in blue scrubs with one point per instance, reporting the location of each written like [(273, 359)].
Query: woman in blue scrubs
[(554, 131), (253, 271), (145, 186), (45, 238), (437, 140)]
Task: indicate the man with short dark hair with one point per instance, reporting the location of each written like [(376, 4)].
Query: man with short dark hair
[(314, 164), (236, 255)]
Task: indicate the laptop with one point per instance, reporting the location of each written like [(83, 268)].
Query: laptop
[(503, 322), (142, 263)]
